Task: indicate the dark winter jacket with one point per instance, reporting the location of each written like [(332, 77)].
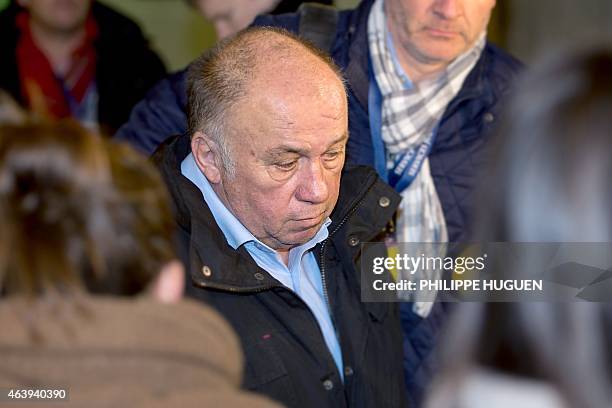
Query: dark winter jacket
[(126, 68), (286, 355)]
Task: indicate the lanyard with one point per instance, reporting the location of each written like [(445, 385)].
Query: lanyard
[(409, 163)]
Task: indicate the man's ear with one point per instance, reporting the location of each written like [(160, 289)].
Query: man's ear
[(205, 153)]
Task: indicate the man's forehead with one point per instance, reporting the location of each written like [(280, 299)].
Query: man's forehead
[(288, 117), (288, 104), (285, 114), (296, 90)]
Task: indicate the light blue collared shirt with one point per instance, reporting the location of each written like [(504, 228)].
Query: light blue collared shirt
[(302, 275)]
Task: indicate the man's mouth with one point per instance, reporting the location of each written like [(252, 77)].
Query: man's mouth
[(310, 221), (314, 216), (443, 33)]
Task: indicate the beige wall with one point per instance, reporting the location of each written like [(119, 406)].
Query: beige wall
[(176, 32), (344, 4)]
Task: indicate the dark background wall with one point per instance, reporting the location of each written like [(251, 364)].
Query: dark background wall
[(531, 28)]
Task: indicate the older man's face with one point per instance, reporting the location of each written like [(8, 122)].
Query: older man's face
[(288, 141), (437, 31)]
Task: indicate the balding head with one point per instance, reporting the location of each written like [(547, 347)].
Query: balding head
[(268, 119), (256, 60)]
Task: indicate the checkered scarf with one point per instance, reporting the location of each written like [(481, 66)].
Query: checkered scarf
[(410, 113)]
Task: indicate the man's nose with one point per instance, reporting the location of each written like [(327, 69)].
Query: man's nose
[(313, 186), (447, 9)]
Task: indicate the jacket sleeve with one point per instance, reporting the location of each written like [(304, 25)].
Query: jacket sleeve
[(161, 114)]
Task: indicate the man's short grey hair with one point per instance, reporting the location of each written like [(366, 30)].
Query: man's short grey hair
[(219, 78)]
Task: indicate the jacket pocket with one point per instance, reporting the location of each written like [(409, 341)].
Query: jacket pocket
[(265, 372)]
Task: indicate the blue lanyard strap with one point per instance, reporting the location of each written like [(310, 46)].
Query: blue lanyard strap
[(375, 115), (409, 163)]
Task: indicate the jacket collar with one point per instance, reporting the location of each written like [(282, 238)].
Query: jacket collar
[(357, 66)]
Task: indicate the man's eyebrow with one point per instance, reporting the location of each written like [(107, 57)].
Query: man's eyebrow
[(283, 150)]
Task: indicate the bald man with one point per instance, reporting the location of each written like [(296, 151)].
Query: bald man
[(271, 228)]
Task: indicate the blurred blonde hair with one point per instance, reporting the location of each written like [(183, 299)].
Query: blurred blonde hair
[(78, 213)]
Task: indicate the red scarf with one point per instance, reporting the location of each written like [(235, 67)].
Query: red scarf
[(44, 93)]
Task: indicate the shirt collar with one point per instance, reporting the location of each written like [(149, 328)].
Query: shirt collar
[(235, 233)]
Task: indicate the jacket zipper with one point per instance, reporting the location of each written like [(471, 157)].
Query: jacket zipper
[(321, 266), (322, 257), (265, 288)]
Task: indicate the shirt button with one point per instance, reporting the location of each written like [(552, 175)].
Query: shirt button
[(348, 371), (488, 117), (353, 241), (206, 271), (328, 385), (259, 276), (384, 202)]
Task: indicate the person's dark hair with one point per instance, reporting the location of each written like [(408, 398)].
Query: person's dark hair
[(220, 77), (551, 183), (78, 213), (290, 6)]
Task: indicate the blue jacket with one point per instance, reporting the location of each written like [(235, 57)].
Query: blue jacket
[(456, 157)]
